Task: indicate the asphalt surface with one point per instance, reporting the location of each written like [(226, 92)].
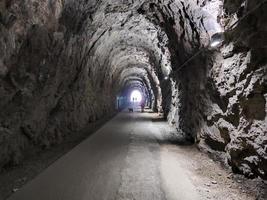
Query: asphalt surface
[(121, 161)]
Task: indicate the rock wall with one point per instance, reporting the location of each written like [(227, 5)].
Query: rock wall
[(219, 98), (46, 91), (236, 122)]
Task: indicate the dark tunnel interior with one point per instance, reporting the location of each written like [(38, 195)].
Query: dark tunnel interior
[(200, 64)]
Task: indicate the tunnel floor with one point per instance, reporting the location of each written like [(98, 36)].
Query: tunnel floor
[(132, 157)]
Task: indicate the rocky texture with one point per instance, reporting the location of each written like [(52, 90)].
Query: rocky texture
[(238, 75), (45, 94), (63, 63)]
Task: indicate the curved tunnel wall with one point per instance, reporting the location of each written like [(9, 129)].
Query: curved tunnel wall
[(63, 63)]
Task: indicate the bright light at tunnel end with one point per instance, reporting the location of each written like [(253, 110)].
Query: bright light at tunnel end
[(136, 96)]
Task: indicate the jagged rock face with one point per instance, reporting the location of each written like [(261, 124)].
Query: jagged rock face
[(62, 64), (238, 75), (46, 90)]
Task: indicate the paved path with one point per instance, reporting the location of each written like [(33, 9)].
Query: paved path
[(120, 161), (129, 158)]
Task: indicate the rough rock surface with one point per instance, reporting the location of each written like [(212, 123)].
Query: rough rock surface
[(63, 62), (238, 75), (45, 94)]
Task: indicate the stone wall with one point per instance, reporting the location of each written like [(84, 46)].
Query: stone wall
[(45, 88), (236, 122), (219, 98)]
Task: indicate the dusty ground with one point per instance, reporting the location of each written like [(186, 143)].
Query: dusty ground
[(211, 177), (132, 157)]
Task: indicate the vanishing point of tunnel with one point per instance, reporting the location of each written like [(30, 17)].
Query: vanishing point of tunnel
[(133, 99)]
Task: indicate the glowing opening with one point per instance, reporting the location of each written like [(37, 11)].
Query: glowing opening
[(136, 96)]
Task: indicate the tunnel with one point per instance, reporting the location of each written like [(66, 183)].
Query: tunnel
[(200, 65)]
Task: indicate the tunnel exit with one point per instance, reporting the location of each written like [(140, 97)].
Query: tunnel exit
[(136, 96)]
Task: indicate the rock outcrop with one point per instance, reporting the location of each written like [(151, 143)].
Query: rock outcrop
[(239, 77)]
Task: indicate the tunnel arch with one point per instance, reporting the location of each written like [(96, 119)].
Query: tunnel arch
[(120, 39), (65, 62)]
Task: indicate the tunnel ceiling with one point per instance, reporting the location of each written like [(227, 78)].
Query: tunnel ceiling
[(63, 63), (129, 36), (130, 47)]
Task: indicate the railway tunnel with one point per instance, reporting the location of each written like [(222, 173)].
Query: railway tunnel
[(200, 65)]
